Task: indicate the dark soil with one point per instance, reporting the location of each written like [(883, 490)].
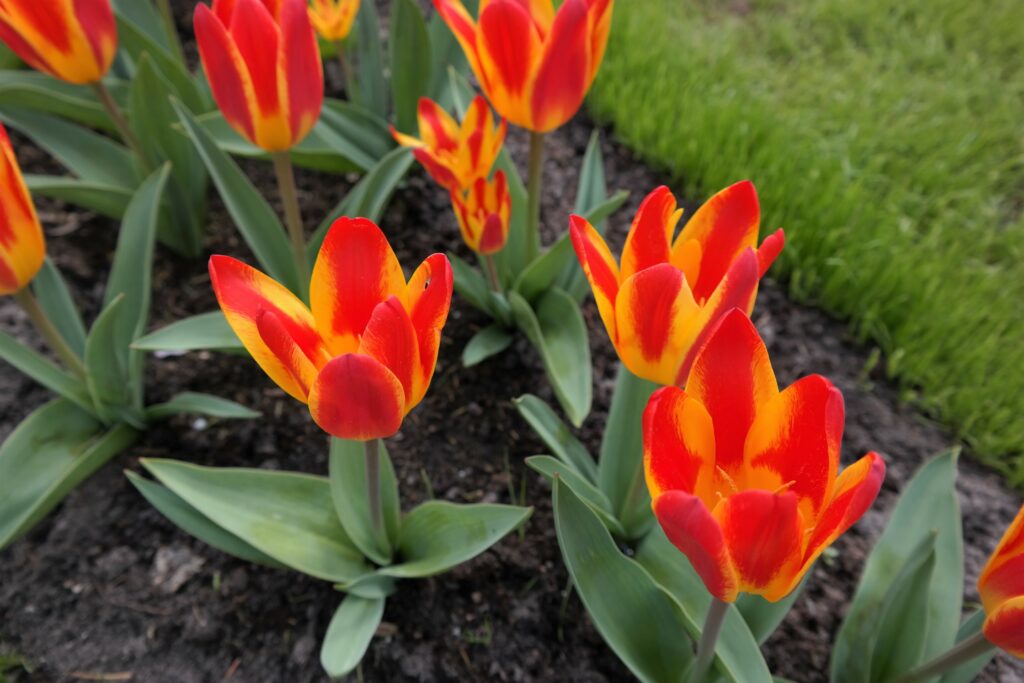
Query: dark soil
[(83, 593)]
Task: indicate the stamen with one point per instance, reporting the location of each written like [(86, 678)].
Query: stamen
[(784, 487), (728, 479)]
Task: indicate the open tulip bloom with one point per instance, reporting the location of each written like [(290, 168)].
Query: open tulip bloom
[(484, 212), (1001, 586)]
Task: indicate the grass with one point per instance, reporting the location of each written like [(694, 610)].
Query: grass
[(888, 139)]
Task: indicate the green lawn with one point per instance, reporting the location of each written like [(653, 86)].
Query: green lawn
[(887, 138)]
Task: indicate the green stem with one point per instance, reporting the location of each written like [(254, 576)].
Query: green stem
[(49, 331), (708, 638), (292, 217), (492, 274), (373, 482), (962, 652), (121, 123), (170, 29), (534, 172)]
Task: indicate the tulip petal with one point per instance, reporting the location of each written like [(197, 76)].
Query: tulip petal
[(600, 268), (73, 40), (601, 26), (1004, 626), (226, 72), (679, 444), (563, 74), (695, 532), (769, 251), (1003, 575), (96, 19), (509, 46), (22, 246), (357, 397), (245, 294), (764, 534), (428, 299), (437, 128), (275, 334), (303, 69), (258, 40), (355, 271), (647, 243), (390, 338), (461, 23)]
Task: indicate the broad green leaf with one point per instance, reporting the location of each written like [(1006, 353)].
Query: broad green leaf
[(136, 41), (969, 670), (354, 133), (471, 285), (437, 535), (202, 404), (39, 92), (288, 516), (410, 62), (109, 200), (193, 522), (764, 617), (52, 451), (512, 258), (556, 435), (368, 88), (350, 493), (556, 329), (739, 657), (251, 213), (490, 341), (55, 299), (203, 331), (349, 634), (107, 368), (927, 505), (620, 467), (370, 586), (445, 53), (551, 468), (41, 370), (638, 619), (145, 17)]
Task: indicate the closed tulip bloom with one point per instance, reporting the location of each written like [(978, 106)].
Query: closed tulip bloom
[(1001, 586), (263, 63), (535, 64), (333, 19), (22, 247), (665, 298), (484, 213), (455, 155), (363, 354), (744, 478)]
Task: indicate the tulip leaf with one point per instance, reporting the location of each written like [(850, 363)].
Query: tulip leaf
[(551, 468), (738, 653), (490, 341), (471, 285), (638, 619), (109, 200), (969, 670), (251, 213), (556, 329), (286, 515), (620, 467), (512, 258), (52, 451), (40, 92), (202, 404), (370, 586), (136, 42), (204, 331), (349, 491), (445, 53), (367, 86), (107, 368), (557, 436), (193, 522), (349, 634), (437, 535), (144, 16), (410, 61), (43, 371), (764, 617), (55, 299), (591, 191), (927, 505)]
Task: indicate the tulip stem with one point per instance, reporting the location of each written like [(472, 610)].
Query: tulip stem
[(708, 638), (171, 29), (492, 273), (534, 173), (962, 652), (49, 331), (121, 123), (373, 482), (293, 217), (346, 76)]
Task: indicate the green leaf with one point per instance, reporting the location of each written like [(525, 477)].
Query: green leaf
[(355, 133), (738, 655), (551, 468), (620, 467), (764, 617), (193, 522), (638, 619), (285, 515), (539, 276), (512, 258), (927, 505), (55, 299), (437, 535), (203, 331), (445, 53), (43, 371), (556, 329), (45, 457), (369, 87), (410, 61), (107, 369), (370, 586), (969, 670), (556, 435), (203, 404), (470, 285), (490, 341), (349, 634), (39, 92), (350, 493), (251, 213), (109, 200), (144, 16), (136, 42)]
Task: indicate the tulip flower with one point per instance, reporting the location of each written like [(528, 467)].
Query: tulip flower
[(667, 296), (484, 213), (22, 247), (455, 155), (363, 353), (1001, 586), (333, 19), (744, 478), (73, 41)]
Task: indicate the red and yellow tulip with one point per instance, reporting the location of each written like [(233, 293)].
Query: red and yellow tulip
[(22, 247), (744, 478), (484, 213), (666, 297), (333, 19), (535, 64), (363, 354), (455, 155), (73, 40), (263, 63), (1001, 586)]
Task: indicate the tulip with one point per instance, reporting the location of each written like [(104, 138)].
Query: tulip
[(744, 478), (667, 296), (363, 353), (1001, 586), (484, 213), (333, 19), (74, 41), (22, 247), (456, 156)]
